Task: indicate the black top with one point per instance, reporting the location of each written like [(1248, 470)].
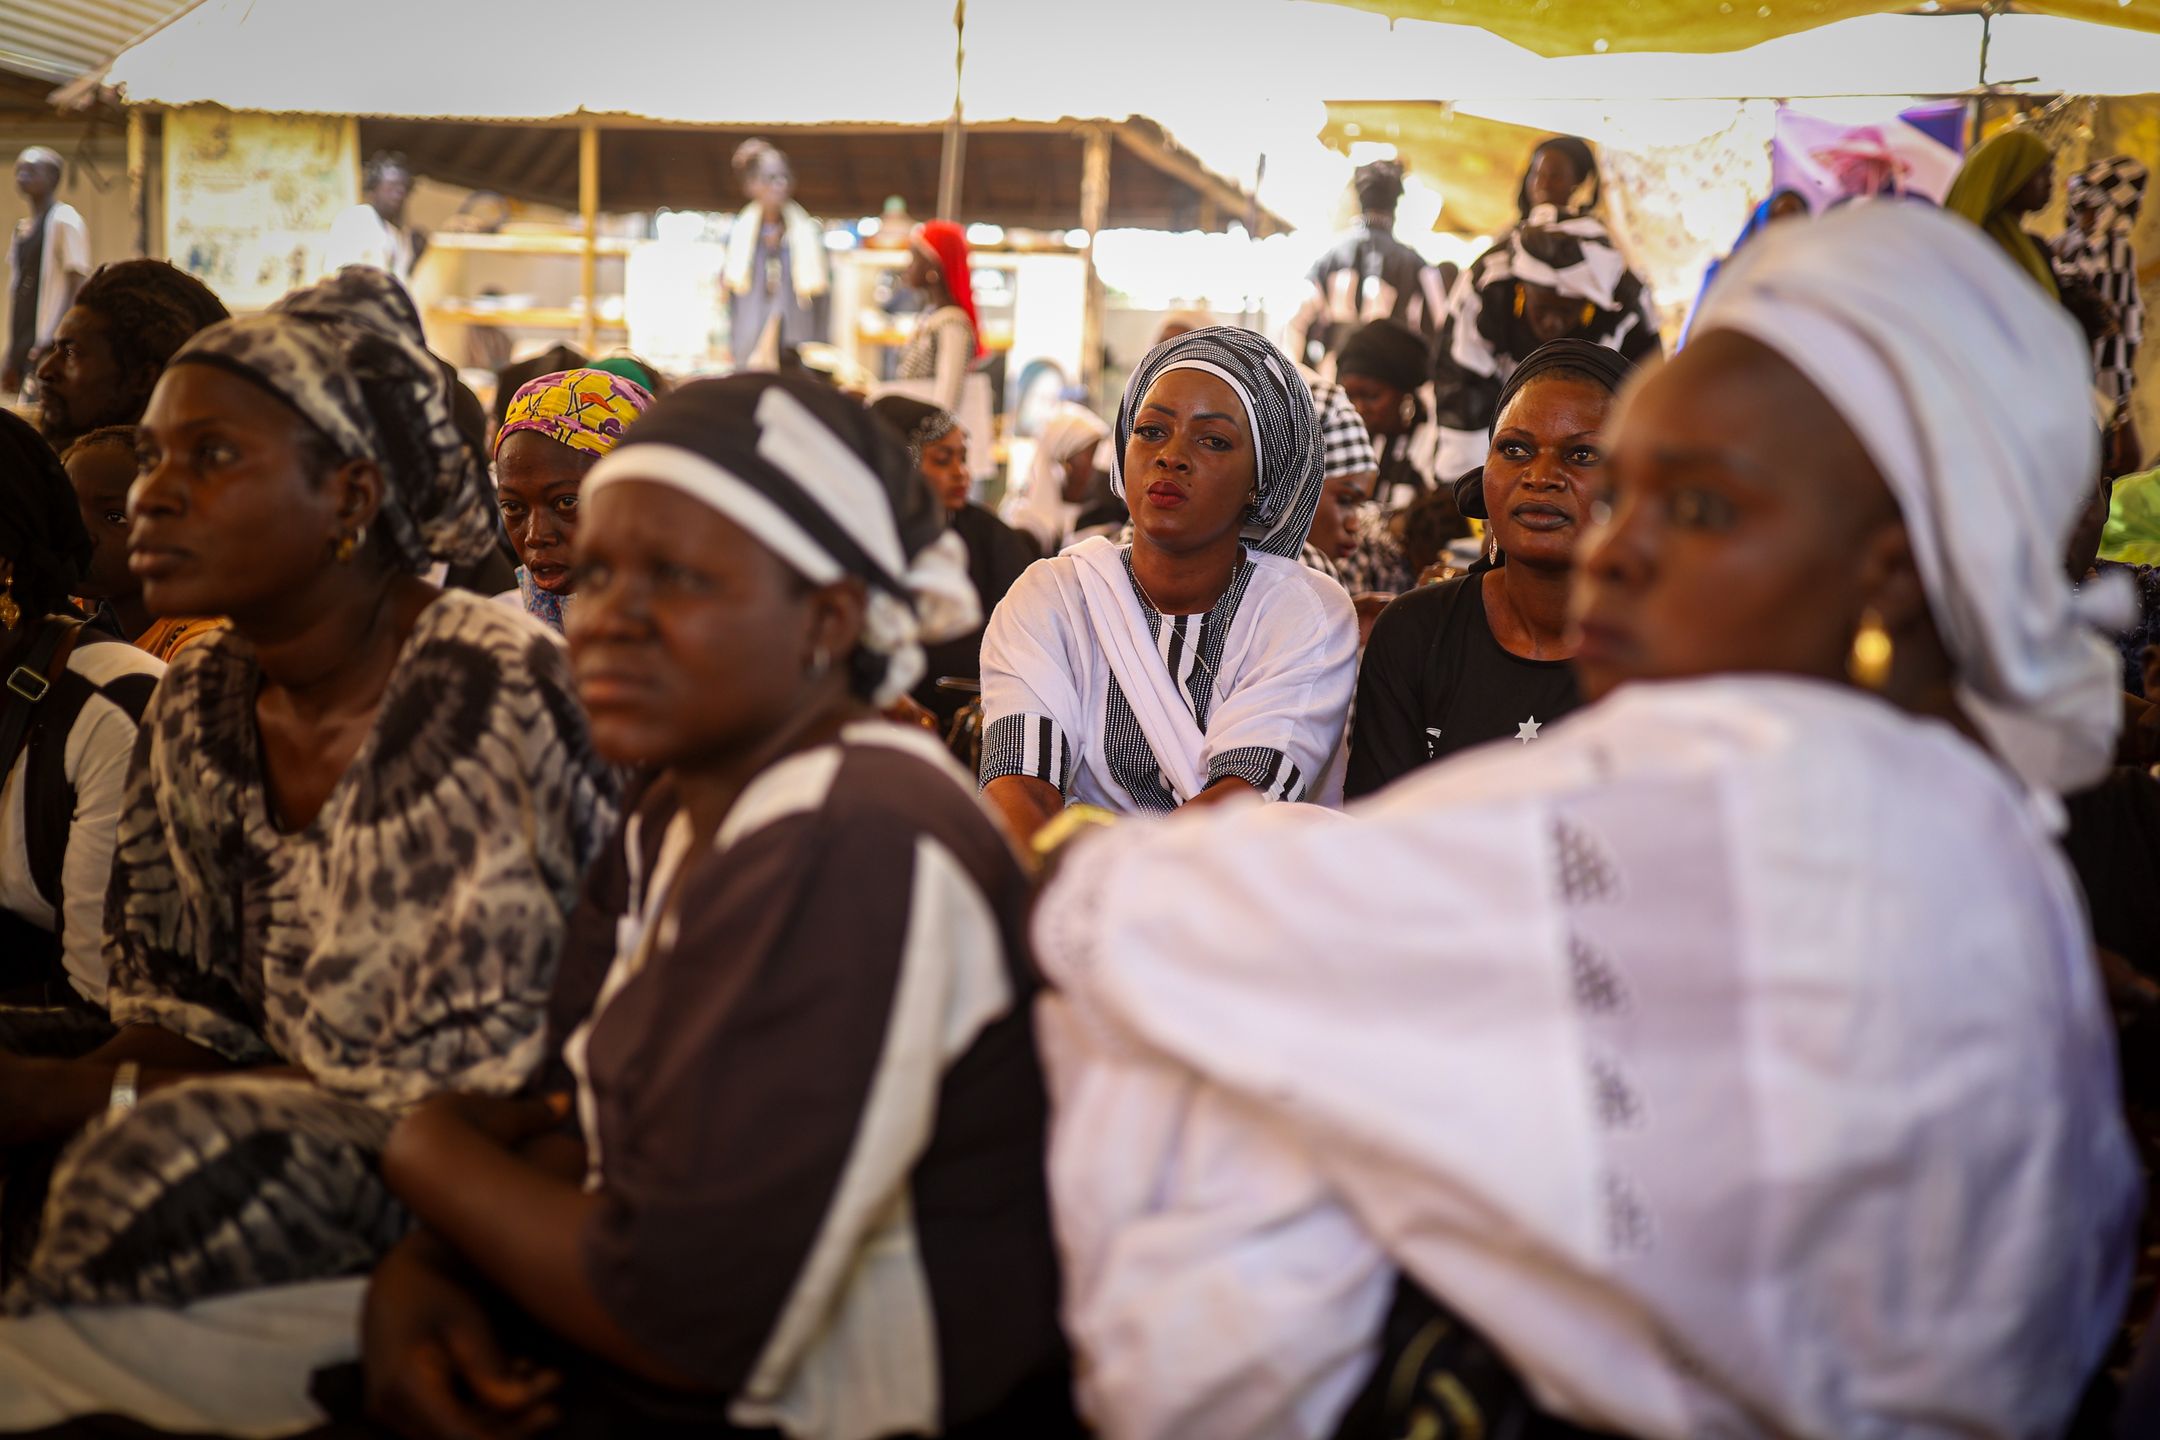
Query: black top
[(1371, 253), (997, 554), (29, 259), (1435, 681)]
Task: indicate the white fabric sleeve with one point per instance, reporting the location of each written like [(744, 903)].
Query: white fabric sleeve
[(99, 747), (73, 240), (1031, 668), (1293, 697)]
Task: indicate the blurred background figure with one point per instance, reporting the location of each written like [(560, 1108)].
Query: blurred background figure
[(47, 263), (374, 232), (2094, 253), (1368, 275), (777, 282)]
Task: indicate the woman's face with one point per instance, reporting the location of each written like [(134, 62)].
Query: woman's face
[(1553, 179), (233, 511), (2036, 192), (945, 466), (1190, 464), (1378, 404), (922, 272), (1335, 520), (1551, 315), (1080, 474), (536, 489), (771, 182), (690, 640), (102, 475), (1737, 511), (1544, 466)]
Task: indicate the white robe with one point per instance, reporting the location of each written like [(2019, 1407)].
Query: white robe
[(1734, 1059), (1283, 683)]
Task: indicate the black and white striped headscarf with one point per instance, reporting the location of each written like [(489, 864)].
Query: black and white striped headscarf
[(345, 352), (1287, 461), (823, 484)]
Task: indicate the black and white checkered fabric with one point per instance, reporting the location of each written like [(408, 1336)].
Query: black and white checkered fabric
[(2100, 257), (1191, 649), (1345, 448)]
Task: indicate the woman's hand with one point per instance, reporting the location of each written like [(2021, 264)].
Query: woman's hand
[(434, 1368)]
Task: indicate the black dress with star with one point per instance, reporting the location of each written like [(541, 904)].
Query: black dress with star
[(1434, 680)]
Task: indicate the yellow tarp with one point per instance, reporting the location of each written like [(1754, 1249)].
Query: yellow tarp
[(1475, 164), (1598, 27)]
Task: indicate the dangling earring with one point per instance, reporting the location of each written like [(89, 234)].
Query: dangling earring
[(820, 662), (1589, 313), (10, 612), (346, 545), (1868, 664), (1409, 408), (1518, 301)]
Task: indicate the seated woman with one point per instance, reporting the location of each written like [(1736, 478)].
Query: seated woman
[(1202, 661), (809, 1193), (996, 553), (556, 428), (67, 728), (352, 831), (1735, 1060), (1060, 478), (1556, 277), (1485, 656), (101, 467)]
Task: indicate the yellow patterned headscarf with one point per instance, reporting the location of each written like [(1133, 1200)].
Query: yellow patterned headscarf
[(586, 410)]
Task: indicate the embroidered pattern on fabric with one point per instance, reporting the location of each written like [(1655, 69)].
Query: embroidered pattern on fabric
[(1618, 1105), (1628, 1229), (1598, 987), (1586, 874)]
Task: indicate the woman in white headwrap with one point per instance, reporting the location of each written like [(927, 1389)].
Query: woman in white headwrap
[(1201, 661), (1733, 1061), (1059, 477)]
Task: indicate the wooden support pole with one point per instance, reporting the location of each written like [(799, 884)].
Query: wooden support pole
[(138, 176), (1094, 210), (589, 214)]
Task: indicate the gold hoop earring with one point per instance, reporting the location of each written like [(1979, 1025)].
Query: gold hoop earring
[(1868, 663)]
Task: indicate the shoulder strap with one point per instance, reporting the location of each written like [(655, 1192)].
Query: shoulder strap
[(30, 682)]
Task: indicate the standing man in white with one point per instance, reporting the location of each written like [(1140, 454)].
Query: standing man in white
[(48, 262), (374, 231)]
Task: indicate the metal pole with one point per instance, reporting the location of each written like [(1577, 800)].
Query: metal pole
[(589, 214), (953, 158), (138, 174), (1094, 210)]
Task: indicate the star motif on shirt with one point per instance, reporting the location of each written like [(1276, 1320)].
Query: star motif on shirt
[(1527, 731)]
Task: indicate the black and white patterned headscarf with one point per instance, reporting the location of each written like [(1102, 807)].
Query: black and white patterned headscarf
[(825, 485), (1287, 460), (346, 354)]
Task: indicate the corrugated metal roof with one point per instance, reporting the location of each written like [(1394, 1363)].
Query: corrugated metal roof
[(59, 39)]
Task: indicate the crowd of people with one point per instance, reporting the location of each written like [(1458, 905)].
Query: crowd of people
[(657, 912)]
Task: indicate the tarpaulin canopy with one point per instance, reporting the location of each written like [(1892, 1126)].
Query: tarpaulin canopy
[(1598, 27)]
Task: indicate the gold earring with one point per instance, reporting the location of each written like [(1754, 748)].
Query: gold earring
[(1518, 302), (10, 612), (346, 545), (1869, 661)]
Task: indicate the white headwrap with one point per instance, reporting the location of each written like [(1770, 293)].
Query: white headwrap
[(1040, 508), (1971, 391)]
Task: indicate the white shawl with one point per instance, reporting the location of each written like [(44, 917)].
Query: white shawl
[(806, 250), (1723, 1097), (1288, 667)]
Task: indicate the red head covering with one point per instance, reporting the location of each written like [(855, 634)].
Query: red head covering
[(947, 244)]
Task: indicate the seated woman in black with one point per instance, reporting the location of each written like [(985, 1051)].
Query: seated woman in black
[(996, 553), (1484, 656), (806, 1194)]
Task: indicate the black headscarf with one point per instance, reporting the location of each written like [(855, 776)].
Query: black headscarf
[(1608, 368), (1579, 154), (1390, 353), (41, 527)]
